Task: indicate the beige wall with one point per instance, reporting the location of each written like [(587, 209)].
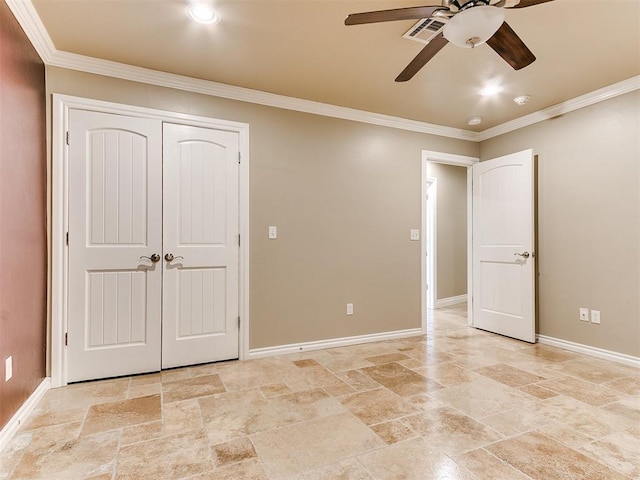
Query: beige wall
[(451, 217), (588, 220), (344, 196)]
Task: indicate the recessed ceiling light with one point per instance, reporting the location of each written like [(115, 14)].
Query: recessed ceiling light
[(202, 13), (522, 99), (490, 90), (474, 121)]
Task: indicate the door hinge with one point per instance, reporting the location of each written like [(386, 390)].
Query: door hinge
[(238, 321), (66, 339), (67, 137), (239, 156), (67, 238), (238, 239)]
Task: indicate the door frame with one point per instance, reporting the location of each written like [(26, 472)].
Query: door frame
[(58, 226), (431, 232), (461, 161)]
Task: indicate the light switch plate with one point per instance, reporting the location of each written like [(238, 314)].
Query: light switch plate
[(595, 316), (349, 308), (415, 234), (273, 232)]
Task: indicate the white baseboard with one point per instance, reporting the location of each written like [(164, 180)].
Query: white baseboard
[(12, 426), (449, 301), (591, 351), (331, 343)]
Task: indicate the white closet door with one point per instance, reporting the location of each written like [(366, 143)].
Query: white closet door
[(115, 218), (200, 294), (503, 240)]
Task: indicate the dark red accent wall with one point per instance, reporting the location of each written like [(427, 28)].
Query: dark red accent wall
[(23, 243)]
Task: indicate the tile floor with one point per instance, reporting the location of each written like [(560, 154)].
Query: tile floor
[(456, 404)]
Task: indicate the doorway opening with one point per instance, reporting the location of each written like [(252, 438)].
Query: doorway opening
[(446, 279)]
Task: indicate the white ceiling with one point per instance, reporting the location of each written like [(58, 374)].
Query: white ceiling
[(302, 49)]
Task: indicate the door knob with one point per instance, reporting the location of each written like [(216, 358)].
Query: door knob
[(523, 254), (154, 257), (169, 257)]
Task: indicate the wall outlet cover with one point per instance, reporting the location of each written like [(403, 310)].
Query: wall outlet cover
[(584, 314)]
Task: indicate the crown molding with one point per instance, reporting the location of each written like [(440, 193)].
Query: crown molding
[(577, 103), (97, 66), (29, 20)]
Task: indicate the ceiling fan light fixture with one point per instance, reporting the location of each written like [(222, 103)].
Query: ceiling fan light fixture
[(473, 26), (522, 99), (202, 13)]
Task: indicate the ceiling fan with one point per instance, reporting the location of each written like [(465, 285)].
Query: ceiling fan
[(468, 24)]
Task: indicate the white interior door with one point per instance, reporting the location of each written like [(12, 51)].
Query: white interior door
[(503, 240), (200, 294), (115, 219)]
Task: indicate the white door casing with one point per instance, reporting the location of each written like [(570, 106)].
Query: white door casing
[(503, 240), (115, 218), (431, 240), (200, 229)]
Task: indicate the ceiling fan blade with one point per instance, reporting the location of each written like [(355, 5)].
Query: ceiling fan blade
[(408, 13), (529, 3), (508, 45), (426, 54)]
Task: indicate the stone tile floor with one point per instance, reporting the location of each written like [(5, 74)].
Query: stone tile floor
[(457, 404)]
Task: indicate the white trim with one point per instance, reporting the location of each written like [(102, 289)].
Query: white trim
[(332, 343), (27, 16), (431, 265), (449, 301), (83, 63), (563, 108), (617, 357), (58, 181), (449, 158), (15, 422), (470, 246)]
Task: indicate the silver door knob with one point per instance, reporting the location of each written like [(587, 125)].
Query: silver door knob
[(523, 254), (154, 257), (169, 257)]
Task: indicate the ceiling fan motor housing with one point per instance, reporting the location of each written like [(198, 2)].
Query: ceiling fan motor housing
[(473, 26)]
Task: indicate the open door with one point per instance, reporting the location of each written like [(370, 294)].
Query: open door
[(503, 239)]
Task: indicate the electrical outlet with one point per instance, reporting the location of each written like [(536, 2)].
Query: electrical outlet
[(349, 308), (414, 234), (8, 369), (273, 232), (595, 316), (584, 314)]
